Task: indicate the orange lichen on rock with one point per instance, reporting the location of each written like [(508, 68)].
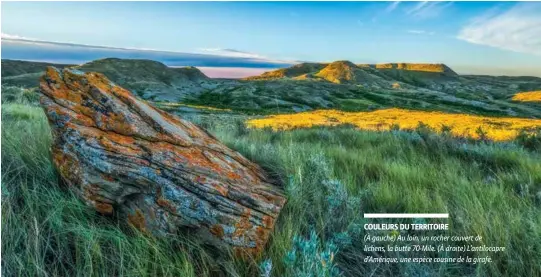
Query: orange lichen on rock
[(495, 128), (530, 96), (217, 230), (166, 204), (242, 225), (104, 208), (137, 220), (156, 171)]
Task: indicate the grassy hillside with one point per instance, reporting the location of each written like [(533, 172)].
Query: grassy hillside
[(331, 176), (290, 72), (149, 79), (24, 74), (13, 68)]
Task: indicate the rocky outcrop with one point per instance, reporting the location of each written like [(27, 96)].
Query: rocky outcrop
[(155, 170)]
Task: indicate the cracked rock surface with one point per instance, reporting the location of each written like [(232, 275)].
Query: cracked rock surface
[(158, 172)]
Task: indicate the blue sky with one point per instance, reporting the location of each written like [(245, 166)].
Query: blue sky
[(471, 37)]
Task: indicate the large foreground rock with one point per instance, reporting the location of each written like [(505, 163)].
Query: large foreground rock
[(157, 171)]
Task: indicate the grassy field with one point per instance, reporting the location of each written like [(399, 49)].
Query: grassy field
[(332, 175)]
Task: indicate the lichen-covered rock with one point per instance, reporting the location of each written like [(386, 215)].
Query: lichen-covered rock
[(157, 171)]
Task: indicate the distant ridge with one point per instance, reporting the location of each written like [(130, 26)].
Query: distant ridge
[(24, 73), (343, 72), (423, 67), (140, 69), (308, 86), (15, 67), (346, 72), (149, 78), (193, 73), (289, 72)]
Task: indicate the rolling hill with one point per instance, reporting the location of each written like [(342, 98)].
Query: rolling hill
[(378, 75), (149, 79), (340, 85), (290, 72)]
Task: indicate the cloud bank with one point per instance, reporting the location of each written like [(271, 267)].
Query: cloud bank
[(19, 48), (517, 29)]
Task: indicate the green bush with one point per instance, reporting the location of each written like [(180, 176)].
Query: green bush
[(530, 139)]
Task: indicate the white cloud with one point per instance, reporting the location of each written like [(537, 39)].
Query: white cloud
[(392, 6), (27, 40), (517, 29), (428, 9), (421, 32), (388, 9), (8, 36), (80, 53), (417, 7)]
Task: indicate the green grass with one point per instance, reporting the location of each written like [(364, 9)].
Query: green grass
[(331, 176), (48, 231)]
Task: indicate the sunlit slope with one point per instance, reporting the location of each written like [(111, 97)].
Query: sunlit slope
[(531, 96), (289, 72), (464, 125)]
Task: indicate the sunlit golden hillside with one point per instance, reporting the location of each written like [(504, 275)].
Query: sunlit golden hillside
[(531, 96), (495, 128)]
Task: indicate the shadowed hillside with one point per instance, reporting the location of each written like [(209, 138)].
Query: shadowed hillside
[(149, 79), (25, 74)]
